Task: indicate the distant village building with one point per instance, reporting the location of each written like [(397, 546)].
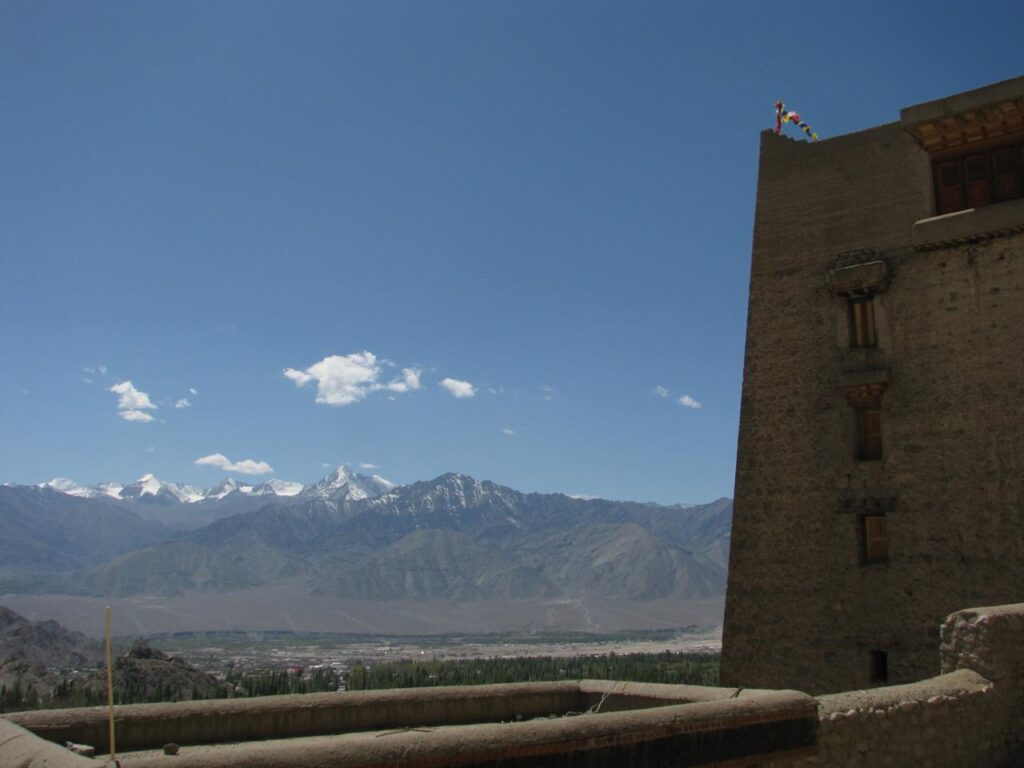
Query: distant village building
[(880, 474)]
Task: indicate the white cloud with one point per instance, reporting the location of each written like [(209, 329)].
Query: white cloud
[(347, 379), (507, 431), (134, 415), (183, 403), (192, 391), (301, 378), (549, 392), (689, 402), (409, 382), (458, 388), (366, 465), (246, 466), (340, 379), (130, 398), (661, 391)]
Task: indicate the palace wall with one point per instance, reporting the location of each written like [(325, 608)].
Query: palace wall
[(852, 216)]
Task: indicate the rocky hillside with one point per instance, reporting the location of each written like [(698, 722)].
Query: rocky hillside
[(42, 645), (44, 664)]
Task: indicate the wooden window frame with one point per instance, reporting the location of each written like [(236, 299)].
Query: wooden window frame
[(874, 536), (863, 328), (1001, 166), (869, 433), (866, 402)]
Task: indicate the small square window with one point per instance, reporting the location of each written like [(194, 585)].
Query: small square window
[(879, 661), (862, 322), (874, 539)]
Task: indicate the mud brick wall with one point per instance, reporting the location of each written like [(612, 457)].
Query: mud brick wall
[(803, 610)]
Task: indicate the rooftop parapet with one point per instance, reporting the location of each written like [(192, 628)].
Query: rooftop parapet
[(583, 723)]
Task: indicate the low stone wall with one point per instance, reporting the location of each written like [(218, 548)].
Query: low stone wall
[(972, 716), (141, 726), (585, 724), (727, 732)]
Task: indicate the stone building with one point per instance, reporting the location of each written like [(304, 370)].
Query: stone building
[(881, 451)]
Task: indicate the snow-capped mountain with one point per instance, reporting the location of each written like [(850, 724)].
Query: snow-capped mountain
[(342, 484), (146, 488), (151, 488), (71, 488), (277, 488), (345, 485), (228, 486)]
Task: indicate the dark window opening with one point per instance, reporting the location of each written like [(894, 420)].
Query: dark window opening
[(862, 322), (879, 666), (979, 178), (1007, 164), (869, 433), (874, 539)]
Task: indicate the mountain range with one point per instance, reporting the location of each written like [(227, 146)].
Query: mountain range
[(185, 507), (360, 539)]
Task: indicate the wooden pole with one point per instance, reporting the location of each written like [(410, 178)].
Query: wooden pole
[(110, 682)]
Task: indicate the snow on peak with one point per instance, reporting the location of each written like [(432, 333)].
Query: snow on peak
[(384, 483), (344, 484), (278, 488), (70, 487), (109, 489), (150, 485), (222, 490)]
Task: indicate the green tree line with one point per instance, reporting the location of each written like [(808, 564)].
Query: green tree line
[(667, 667), (86, 692)]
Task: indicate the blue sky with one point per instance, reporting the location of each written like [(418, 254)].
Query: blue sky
[(253, 207)]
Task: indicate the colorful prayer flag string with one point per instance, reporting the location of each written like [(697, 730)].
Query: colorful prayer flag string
[(782, 115)]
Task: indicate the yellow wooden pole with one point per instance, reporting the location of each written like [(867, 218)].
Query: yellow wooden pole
[(110, 682)]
